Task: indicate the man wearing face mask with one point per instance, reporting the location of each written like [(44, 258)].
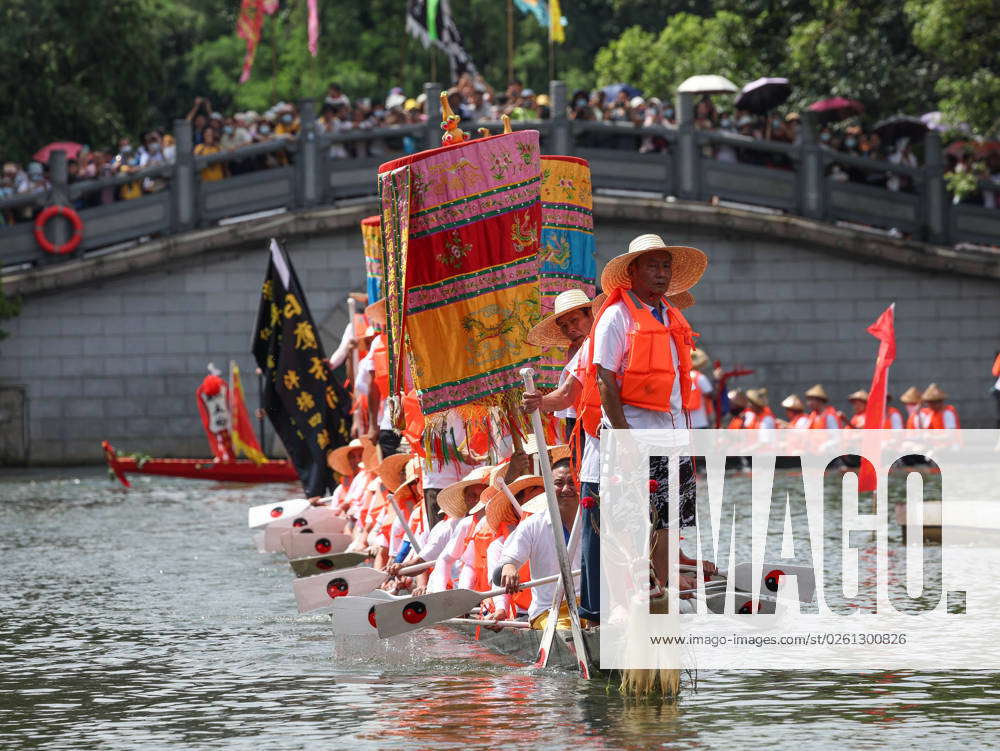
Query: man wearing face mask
[(288, 124)]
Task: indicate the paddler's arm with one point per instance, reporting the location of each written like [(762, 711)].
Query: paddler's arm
[(565, 396), (374, 400), (393, 568), (611, 398), (509, 579)]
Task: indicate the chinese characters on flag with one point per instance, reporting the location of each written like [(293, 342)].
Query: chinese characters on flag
[(308, 409)]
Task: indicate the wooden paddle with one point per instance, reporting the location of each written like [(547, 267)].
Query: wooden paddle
[(314, 592), (258, 516), (562, 554), (743, 603), (354, 616), (324, 564), (545, 645), (743, 576), (411, 613), (304, 522), (299, 545), (481, 622)]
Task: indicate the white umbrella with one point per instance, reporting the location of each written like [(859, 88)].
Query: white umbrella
[(708, 85)]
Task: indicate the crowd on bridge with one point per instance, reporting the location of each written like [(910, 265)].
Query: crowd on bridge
[(476, 101)]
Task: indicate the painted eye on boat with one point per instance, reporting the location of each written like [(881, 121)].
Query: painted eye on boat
[(337, 588), (323, 545), (300, 522)]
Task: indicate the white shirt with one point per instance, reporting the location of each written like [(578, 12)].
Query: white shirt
[(896, 421), (337, 358), (451, 554), (699, 417), (590, 469), (532, 542), (569, 371)]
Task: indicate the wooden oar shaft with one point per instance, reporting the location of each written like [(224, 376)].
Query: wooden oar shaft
[(481, 622), (510, 497), (416, 568), (526, 585), (351, 312), (405, 522)]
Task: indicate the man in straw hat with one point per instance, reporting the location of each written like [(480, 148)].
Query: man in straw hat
[(532, 542), (893, 417), (400, 475), (656, 395), (859, 403), (703, 408), (911, 399), (935, 414), (822, 416), (795, 412), (758, 414)]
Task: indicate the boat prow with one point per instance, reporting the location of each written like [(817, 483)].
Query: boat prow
[(241, 470)]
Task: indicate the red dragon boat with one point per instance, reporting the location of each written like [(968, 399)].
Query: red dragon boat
[(240, 470)]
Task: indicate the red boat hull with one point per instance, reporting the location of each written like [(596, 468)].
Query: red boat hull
[(241, 470)]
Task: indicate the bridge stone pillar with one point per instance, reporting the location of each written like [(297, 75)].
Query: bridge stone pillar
[(812, 188), (935, 196), (307, 164), (688, 168), (58, 228), (433, 109), (183, 187), (560, 123)]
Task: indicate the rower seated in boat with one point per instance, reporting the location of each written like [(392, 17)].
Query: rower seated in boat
[(532, 543)]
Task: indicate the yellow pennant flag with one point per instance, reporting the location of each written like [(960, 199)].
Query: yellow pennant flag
[(556, 33), (244, 440)]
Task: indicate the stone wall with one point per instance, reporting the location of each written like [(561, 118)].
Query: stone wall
[(120, 358)]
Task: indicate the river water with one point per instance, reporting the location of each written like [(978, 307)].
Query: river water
[(144, 618)]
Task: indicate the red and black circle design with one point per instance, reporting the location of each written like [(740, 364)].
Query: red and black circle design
[(276, 512), (371, 616), (771, 579), (324, 564), (337, 588), (323, 545), (414, 612), (300, 522), (746, 608)]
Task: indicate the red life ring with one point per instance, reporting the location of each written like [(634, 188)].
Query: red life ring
[(47, 245)]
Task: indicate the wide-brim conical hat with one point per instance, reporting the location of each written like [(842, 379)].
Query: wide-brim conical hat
[(546, 332), (910, 396), (686, 268), (376, 312), (699, 359), (392, 471), (933, 393), (818, 392), (682, 300), (860, 395), (451, 500), (372, 454), (792, 401), (757, 397), (339, 459)]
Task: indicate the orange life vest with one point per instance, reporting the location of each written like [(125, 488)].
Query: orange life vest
[(648, 378), (414, 431), (752, 419), (360, 327), (858, 421), (737, 422), (913, 421), (996, 366), (817, 420), (934, 418)]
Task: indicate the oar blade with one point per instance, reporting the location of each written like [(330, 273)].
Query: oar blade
[(768, 576), (743, 604), (258, 516), (318, 591), (324, 564), (302, 544), (402, 616), (355, 616), (301, 522)]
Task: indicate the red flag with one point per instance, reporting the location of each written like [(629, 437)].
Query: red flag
[(242, 434), (884, 329), (248, 27)]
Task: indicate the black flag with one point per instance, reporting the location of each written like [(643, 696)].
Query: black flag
[(305, 404), (431, 21)]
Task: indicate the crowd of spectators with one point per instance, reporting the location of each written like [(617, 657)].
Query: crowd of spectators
[(476, 101)]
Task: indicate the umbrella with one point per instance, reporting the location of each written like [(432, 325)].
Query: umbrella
[(835, 109), (612, 90), (901, 126), (763, 94), (959, 148), (70, 147), (707, 85), (936, 121)]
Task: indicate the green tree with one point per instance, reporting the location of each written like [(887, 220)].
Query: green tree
[(964, 40)]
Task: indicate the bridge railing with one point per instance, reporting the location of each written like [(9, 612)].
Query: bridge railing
[(314, 168)]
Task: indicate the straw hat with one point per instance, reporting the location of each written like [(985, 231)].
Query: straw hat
[(499, 509), (699, 359), (360, 297), (818, 392), (556, 453), (392, 471), (339, 459), (933, 394), (546, 332), (792, 401), (688, 264), (376, 312), (372, 455), (451, 500), (910, 396), (858, 396), (537, 505), (757, 397), (682, 300)]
